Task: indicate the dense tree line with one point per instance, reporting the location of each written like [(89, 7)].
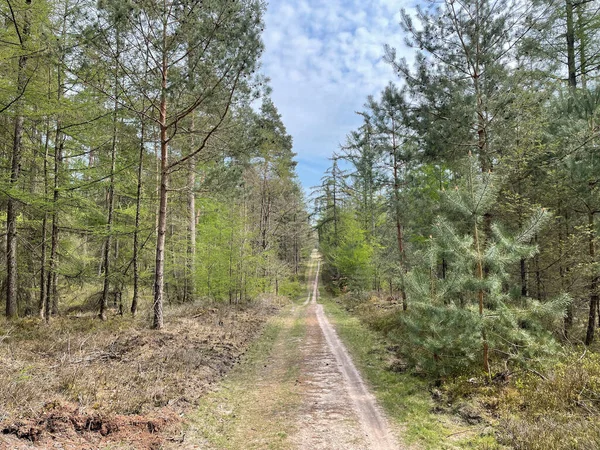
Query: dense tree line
[(470, 192), (134, 161)]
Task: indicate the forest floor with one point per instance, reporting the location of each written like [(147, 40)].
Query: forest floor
[(85, 384), (339, 411), (80, 383), (299, 388)]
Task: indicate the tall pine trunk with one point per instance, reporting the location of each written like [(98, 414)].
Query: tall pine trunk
[(52, 276), (563, 271), (399, 233), (582, 44), (159, 273), (138, 208), (190, 281), (589, 336), (570, 35), (480, 297), (190, 268), (11, 223), (111, 198), (15, 170), (136, 232), (43, 294)]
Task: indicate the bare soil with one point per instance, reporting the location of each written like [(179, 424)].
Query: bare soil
[(68, 427)]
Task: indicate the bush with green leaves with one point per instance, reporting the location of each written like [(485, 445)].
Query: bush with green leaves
[(349, 261)]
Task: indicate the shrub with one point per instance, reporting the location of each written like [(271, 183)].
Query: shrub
[(558, 410)]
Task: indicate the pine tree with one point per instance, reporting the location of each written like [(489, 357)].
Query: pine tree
[(459, 321), (329, 201), (390, 117), (581, 178)]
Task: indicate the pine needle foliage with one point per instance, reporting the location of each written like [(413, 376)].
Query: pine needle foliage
[(465, 318)]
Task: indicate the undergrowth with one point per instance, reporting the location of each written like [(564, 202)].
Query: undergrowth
[(559, 409), (120, 366), (406, 398)]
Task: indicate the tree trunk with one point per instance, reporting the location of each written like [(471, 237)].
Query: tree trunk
[(43, 293), (265, 206), (582, 44), (399, 233), (111, 204), (524, 292), (480, 296), (568, 321), (570, 34), (190, 282), (136, 232), (231, 264), (190, 277), (117, 287), (51, 288), (159, 274), (15, 170), (538, 273), (400, 236), (11, 222), (42, 298), (589, 337), (59, 141)]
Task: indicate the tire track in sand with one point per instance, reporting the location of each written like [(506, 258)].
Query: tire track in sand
[(338, 410)]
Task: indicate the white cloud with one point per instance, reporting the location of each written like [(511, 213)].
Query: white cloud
[(324, 59)]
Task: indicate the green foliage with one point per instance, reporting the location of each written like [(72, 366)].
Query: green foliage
[(404, 397), (446, 326), (353, 255), (351, 258), (466, 258), (93, 88)]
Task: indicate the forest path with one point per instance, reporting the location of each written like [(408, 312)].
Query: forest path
[(299, 389), (337, 410)]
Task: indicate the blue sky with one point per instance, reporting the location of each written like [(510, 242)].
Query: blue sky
[(324, 57)]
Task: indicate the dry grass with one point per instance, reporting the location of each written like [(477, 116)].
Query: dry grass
[(557, 410), (255, 407), (120, 367)]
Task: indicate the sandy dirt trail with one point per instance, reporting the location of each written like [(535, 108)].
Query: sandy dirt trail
[(337, 411), (304, 393)]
